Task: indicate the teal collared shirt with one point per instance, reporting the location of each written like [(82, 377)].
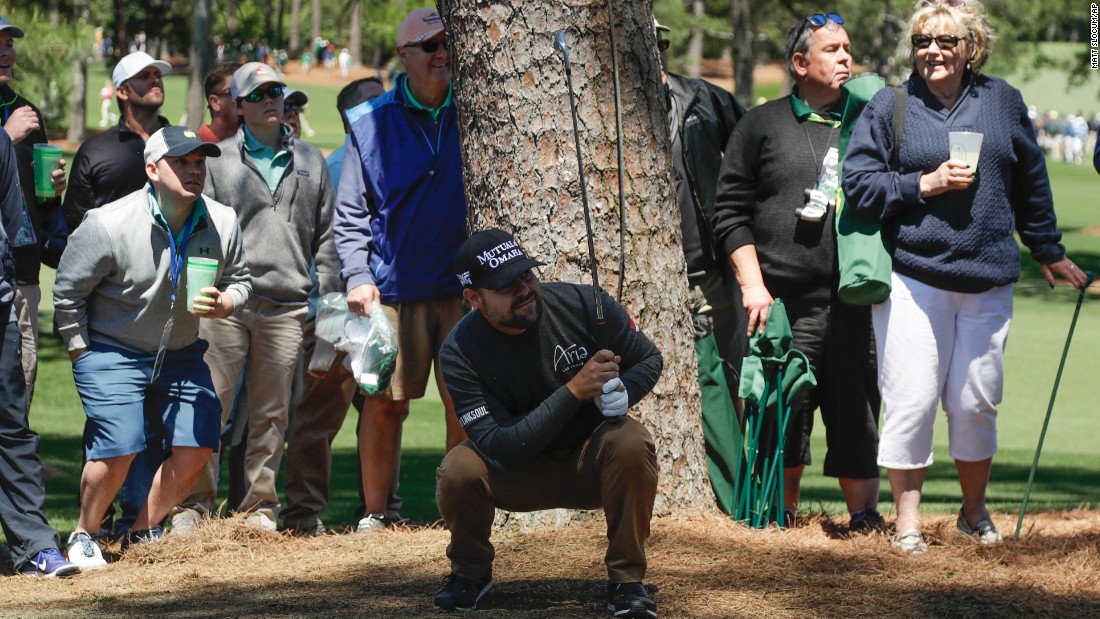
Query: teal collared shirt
[(197, 214), (434, 111), (271, 164), (805, 112)]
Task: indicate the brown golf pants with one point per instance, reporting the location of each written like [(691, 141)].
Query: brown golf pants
[(615, 469)]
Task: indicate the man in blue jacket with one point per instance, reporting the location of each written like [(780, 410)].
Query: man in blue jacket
[(400, 218)]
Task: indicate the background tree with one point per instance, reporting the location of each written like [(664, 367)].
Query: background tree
[(200, 61), (521, 173)]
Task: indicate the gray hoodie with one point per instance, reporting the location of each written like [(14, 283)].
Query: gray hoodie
[(113, 283)]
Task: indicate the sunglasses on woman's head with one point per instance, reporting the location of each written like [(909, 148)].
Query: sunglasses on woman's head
[(272, 92), (951, 3), (943, 41)]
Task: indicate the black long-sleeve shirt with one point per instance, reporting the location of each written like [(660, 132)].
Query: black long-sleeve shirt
[(509, 390), (106, 167)]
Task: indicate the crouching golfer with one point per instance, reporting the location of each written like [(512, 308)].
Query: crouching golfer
[(120, 298), (544, 407)]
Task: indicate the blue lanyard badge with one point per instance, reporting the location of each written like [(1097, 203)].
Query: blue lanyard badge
[(177, 255)]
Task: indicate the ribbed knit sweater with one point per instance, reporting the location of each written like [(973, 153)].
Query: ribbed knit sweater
[(771, 159), (959, 240)]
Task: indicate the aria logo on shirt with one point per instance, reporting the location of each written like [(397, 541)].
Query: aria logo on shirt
[(566, 359)]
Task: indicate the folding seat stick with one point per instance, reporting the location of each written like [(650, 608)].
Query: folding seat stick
[(1050, 407)]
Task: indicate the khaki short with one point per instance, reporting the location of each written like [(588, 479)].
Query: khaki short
[(421, 328)]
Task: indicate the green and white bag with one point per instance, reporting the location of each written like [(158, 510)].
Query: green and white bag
[(864, 263)]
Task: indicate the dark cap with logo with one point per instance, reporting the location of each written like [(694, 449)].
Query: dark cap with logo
[(177, 141), (491, 259)]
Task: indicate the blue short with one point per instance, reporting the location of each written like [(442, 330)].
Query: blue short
[(126, 408)]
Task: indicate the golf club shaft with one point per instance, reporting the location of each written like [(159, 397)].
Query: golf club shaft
[(618, 148), (1050, 407), (563, 48)]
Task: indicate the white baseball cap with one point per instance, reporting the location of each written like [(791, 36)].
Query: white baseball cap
[(15, 31), (132, 64), (251, 76)]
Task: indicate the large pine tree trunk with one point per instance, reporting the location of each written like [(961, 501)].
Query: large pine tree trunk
[(521, 174)]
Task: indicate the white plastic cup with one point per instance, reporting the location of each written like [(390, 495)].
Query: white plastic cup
[(966, 146), (201, 273)]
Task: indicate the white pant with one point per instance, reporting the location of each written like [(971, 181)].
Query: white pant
[(938, 345)]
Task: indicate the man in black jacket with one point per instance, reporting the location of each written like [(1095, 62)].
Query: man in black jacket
[(544, 406), (701, 118), (41, 237)]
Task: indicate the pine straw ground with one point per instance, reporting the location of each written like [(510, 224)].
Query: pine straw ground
[(701, 565)]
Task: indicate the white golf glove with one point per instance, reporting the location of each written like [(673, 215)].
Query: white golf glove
[(613, 403)]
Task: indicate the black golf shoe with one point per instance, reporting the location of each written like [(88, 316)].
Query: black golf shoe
[(866, 521), (462, 594), (631, 600)]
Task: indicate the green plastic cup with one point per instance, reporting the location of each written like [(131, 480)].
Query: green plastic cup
[(46, 157), (201, 273)]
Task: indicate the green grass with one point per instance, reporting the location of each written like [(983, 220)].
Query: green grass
[(1050, 87)]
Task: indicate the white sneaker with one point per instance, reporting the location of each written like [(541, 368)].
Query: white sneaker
[(186, 521), (83, 551), (371, 523), (261, 521)]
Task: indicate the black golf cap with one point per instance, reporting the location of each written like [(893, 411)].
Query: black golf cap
[(177, 141), (491, 259)]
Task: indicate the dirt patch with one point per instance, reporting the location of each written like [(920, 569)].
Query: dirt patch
[(1090, 230), (701, 566)]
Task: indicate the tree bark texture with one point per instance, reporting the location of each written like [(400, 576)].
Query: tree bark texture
[(521, 174)]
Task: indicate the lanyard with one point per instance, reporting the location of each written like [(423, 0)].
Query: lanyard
[(177, 255)]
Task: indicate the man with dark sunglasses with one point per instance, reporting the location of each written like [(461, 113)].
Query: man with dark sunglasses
[(775, 219), (400, 218), (281, 191)]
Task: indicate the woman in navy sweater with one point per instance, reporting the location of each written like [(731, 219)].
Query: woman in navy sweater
[(948, 228)]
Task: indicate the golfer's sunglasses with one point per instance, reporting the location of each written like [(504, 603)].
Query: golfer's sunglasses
[(272, 92), (815, 21), (663, 44), (430, 47), (944, 41)]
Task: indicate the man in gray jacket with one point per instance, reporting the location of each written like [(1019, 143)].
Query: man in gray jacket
[(122, 312), (281, 191)]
